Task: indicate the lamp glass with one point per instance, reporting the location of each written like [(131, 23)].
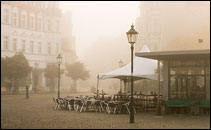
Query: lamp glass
[(132, 35), (59, 59)]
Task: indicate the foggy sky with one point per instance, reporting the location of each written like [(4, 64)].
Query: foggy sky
[(94, 19)]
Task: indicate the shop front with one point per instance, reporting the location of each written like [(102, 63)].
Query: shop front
[(186, 75)]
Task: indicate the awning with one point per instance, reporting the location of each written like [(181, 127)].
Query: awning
[(143, 68)]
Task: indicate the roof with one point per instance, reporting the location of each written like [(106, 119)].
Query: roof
[(143, 68), (176, 55)]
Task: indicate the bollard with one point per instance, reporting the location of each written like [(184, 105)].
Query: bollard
[(27, 91), (158, 110)]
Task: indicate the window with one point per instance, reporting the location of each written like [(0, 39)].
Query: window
[(14, 19), (156, 25), (50, 4), (31, 3), (49, 25), (32, 23), (23, 45), (39, 47), (141, 29), (31, 46), (42, 5), (39, 24), (154, 3), (6, 42), (57, 26), (34, 3), (39, 4), (49, 48), (23, 21), (6, 16), (187, 80), (187, 87), (15, 45), (57, 47)]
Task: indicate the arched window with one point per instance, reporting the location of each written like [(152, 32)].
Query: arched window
[(57, 26), (15, 17), (42, 5), (154, 4), (156, 25), (32, 21), (49, 48), (30, 3), (23, 19), (39, 4), (6, 15), (23, 45), (39, 47), (49, 25), (34, 3), (6, 42), (57, 47), (31, 46), (14, 45), (40, 22)]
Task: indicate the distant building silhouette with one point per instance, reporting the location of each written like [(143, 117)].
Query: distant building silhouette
[(164, 25)]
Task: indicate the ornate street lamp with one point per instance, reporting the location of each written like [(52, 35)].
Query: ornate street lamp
[(132, 37), (59, 61), (120, 65), (35, 76)]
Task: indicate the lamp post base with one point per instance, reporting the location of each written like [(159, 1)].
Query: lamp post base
[(132, 110), (132, 119)]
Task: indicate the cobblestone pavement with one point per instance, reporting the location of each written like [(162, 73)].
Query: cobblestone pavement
[(38, 113)]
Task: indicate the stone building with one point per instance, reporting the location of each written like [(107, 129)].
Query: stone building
[(34, 28)]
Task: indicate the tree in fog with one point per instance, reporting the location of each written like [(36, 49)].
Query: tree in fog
[(51, 73), (3, 71), (77, 71), (16, 70)]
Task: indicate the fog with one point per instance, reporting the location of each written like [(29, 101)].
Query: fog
[(99, 29), (94, 33), (95, 19), (56, 57)]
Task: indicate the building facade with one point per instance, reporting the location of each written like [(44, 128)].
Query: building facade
[(34, 28), (173, 25), (186, 74)]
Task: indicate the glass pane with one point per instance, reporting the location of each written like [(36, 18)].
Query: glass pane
[(196, 87), (187, 87), (173, 92)]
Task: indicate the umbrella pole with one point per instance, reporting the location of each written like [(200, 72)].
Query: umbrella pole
[(158, 104), (120, 85), (97, 85), (124, 90)]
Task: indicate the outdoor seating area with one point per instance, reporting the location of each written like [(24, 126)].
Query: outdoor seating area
[(111, 104)]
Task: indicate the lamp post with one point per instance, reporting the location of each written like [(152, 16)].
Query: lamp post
[(59, 61), (120, 65), (132, 37), (200, 41), (35, 76)]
